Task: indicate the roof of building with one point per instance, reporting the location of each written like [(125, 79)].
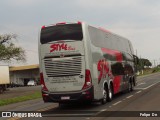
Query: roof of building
[(27, 67)]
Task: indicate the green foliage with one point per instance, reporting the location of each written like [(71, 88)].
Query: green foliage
[(34, 95), (144, 62), (157, 69), (9, 51)]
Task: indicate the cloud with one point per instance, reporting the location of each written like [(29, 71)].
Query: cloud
[(106, 3), (113, 10), (21, 3), (137, 20)]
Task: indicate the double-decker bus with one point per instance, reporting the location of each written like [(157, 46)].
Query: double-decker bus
[(79, 62)]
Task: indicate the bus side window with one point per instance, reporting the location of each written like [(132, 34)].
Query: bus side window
[(117, 69)]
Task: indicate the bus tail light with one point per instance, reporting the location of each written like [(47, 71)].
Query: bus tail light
[(42, 82), (79, 22), (88, 79), (43, 27)]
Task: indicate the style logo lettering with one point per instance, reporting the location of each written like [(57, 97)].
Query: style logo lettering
[(59, 47)]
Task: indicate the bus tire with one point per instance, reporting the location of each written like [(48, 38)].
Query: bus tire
[(110, 93), (104, 99), (60, 104), (130, 86)]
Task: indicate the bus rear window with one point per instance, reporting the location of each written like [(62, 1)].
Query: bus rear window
[(61, 32)]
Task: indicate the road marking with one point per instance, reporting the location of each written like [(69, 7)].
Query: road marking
[(100, 111), (117, 103), (103, 110), (151, 85), (147, 87), (138, 92), (139, 88), (45, 109), (141, 83), (87, 118), (129, 96)]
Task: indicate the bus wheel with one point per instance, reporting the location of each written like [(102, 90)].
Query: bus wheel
[(104, 99), (110, 94), (130, 86)]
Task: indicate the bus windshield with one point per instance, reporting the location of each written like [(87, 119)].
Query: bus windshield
[(61, 32)]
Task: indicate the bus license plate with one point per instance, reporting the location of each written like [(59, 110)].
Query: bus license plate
[(65, 98)]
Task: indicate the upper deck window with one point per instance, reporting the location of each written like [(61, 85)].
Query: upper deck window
[(61, 32)]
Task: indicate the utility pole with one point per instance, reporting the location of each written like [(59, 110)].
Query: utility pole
[(154, 63)]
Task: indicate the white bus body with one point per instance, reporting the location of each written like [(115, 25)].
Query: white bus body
[(80, 62)]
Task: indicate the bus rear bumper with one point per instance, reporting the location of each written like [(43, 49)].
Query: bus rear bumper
[(84, 95)]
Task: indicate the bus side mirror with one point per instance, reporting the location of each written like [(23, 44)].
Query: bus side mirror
[(136, 59)]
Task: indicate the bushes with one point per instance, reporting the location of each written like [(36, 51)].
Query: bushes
[(157, 69)]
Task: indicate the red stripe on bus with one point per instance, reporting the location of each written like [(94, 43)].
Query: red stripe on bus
[(115, 53), (119, 58), (116, 84)]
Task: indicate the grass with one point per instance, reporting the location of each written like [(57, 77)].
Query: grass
[(157, 69), (32, 96), (150, 71)]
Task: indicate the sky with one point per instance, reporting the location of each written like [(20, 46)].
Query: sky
[(136, 20)]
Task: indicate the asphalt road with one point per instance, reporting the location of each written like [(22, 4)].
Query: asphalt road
[(143, 101)]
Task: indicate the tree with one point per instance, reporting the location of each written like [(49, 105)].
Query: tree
[(144, 62), (9, 51)]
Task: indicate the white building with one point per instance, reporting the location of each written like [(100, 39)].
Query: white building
[(22, 74)]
